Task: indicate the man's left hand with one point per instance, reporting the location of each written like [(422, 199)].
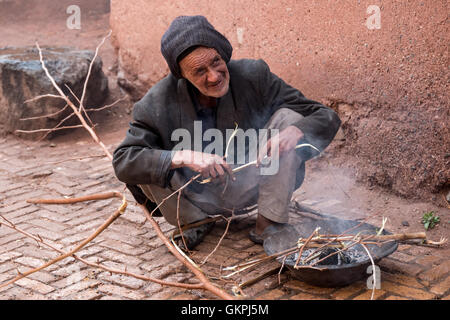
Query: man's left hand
[(287, 140)]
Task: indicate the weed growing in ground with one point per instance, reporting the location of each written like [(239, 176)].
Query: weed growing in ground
[(429, 220)]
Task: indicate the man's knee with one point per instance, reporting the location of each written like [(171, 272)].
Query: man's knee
[(283, 118)]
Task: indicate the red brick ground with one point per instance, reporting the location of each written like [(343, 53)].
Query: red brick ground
[(26, 172)]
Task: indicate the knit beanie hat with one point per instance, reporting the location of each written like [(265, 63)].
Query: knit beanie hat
[(188, 31)]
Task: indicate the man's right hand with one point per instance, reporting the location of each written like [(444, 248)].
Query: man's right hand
[(209, 165)]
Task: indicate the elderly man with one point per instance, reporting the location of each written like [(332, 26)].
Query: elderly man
[(205, 85)]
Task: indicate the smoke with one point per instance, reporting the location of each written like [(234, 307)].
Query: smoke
[(331, 190)]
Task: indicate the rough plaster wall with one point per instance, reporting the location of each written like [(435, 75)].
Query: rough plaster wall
[(322, 47)]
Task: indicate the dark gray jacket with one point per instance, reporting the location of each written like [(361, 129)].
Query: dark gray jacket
[(255, 93)]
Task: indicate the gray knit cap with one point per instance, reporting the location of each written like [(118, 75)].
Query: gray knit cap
[(188, 31)]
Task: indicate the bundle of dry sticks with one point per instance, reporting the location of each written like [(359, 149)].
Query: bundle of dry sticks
[(341, 243)]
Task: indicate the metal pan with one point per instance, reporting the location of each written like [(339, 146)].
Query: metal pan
[(328, 275)]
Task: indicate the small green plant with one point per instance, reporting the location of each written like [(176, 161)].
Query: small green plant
[(429, 220)]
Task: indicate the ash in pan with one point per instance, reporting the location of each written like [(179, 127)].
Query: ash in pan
[(351, 255)]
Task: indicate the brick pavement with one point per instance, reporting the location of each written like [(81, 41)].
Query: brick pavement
[(25, 172)]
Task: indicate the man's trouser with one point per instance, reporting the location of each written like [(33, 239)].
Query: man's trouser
[(272, 193)]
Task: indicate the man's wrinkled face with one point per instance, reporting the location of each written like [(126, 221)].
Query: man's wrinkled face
[(207, 71)]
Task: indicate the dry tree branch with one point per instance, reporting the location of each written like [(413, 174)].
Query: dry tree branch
[(57, 126), (52, 129), (99, 230), (69, 102), (39, 240), (384, 237), (47, 115), (281, 269), (44, 96), (303, 245), (246, 265), (79, 102), (72, 93), (178, 220), (250, 282), (90, 68), (196, 224), (442, 241), (230, 139), (221, 238), (226, 156), (207, 285), (335, 239), (251, 163), (184, 255), (373, 270), (105, 107), (383, 223), (99, 196)]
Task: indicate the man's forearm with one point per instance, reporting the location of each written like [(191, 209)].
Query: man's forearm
[(136, 165)]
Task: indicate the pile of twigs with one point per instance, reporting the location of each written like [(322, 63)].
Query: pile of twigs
[(341, 242), (318, 243)]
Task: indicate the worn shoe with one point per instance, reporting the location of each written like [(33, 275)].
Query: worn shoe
[(194, 236), (270, 230), (256, 238)]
